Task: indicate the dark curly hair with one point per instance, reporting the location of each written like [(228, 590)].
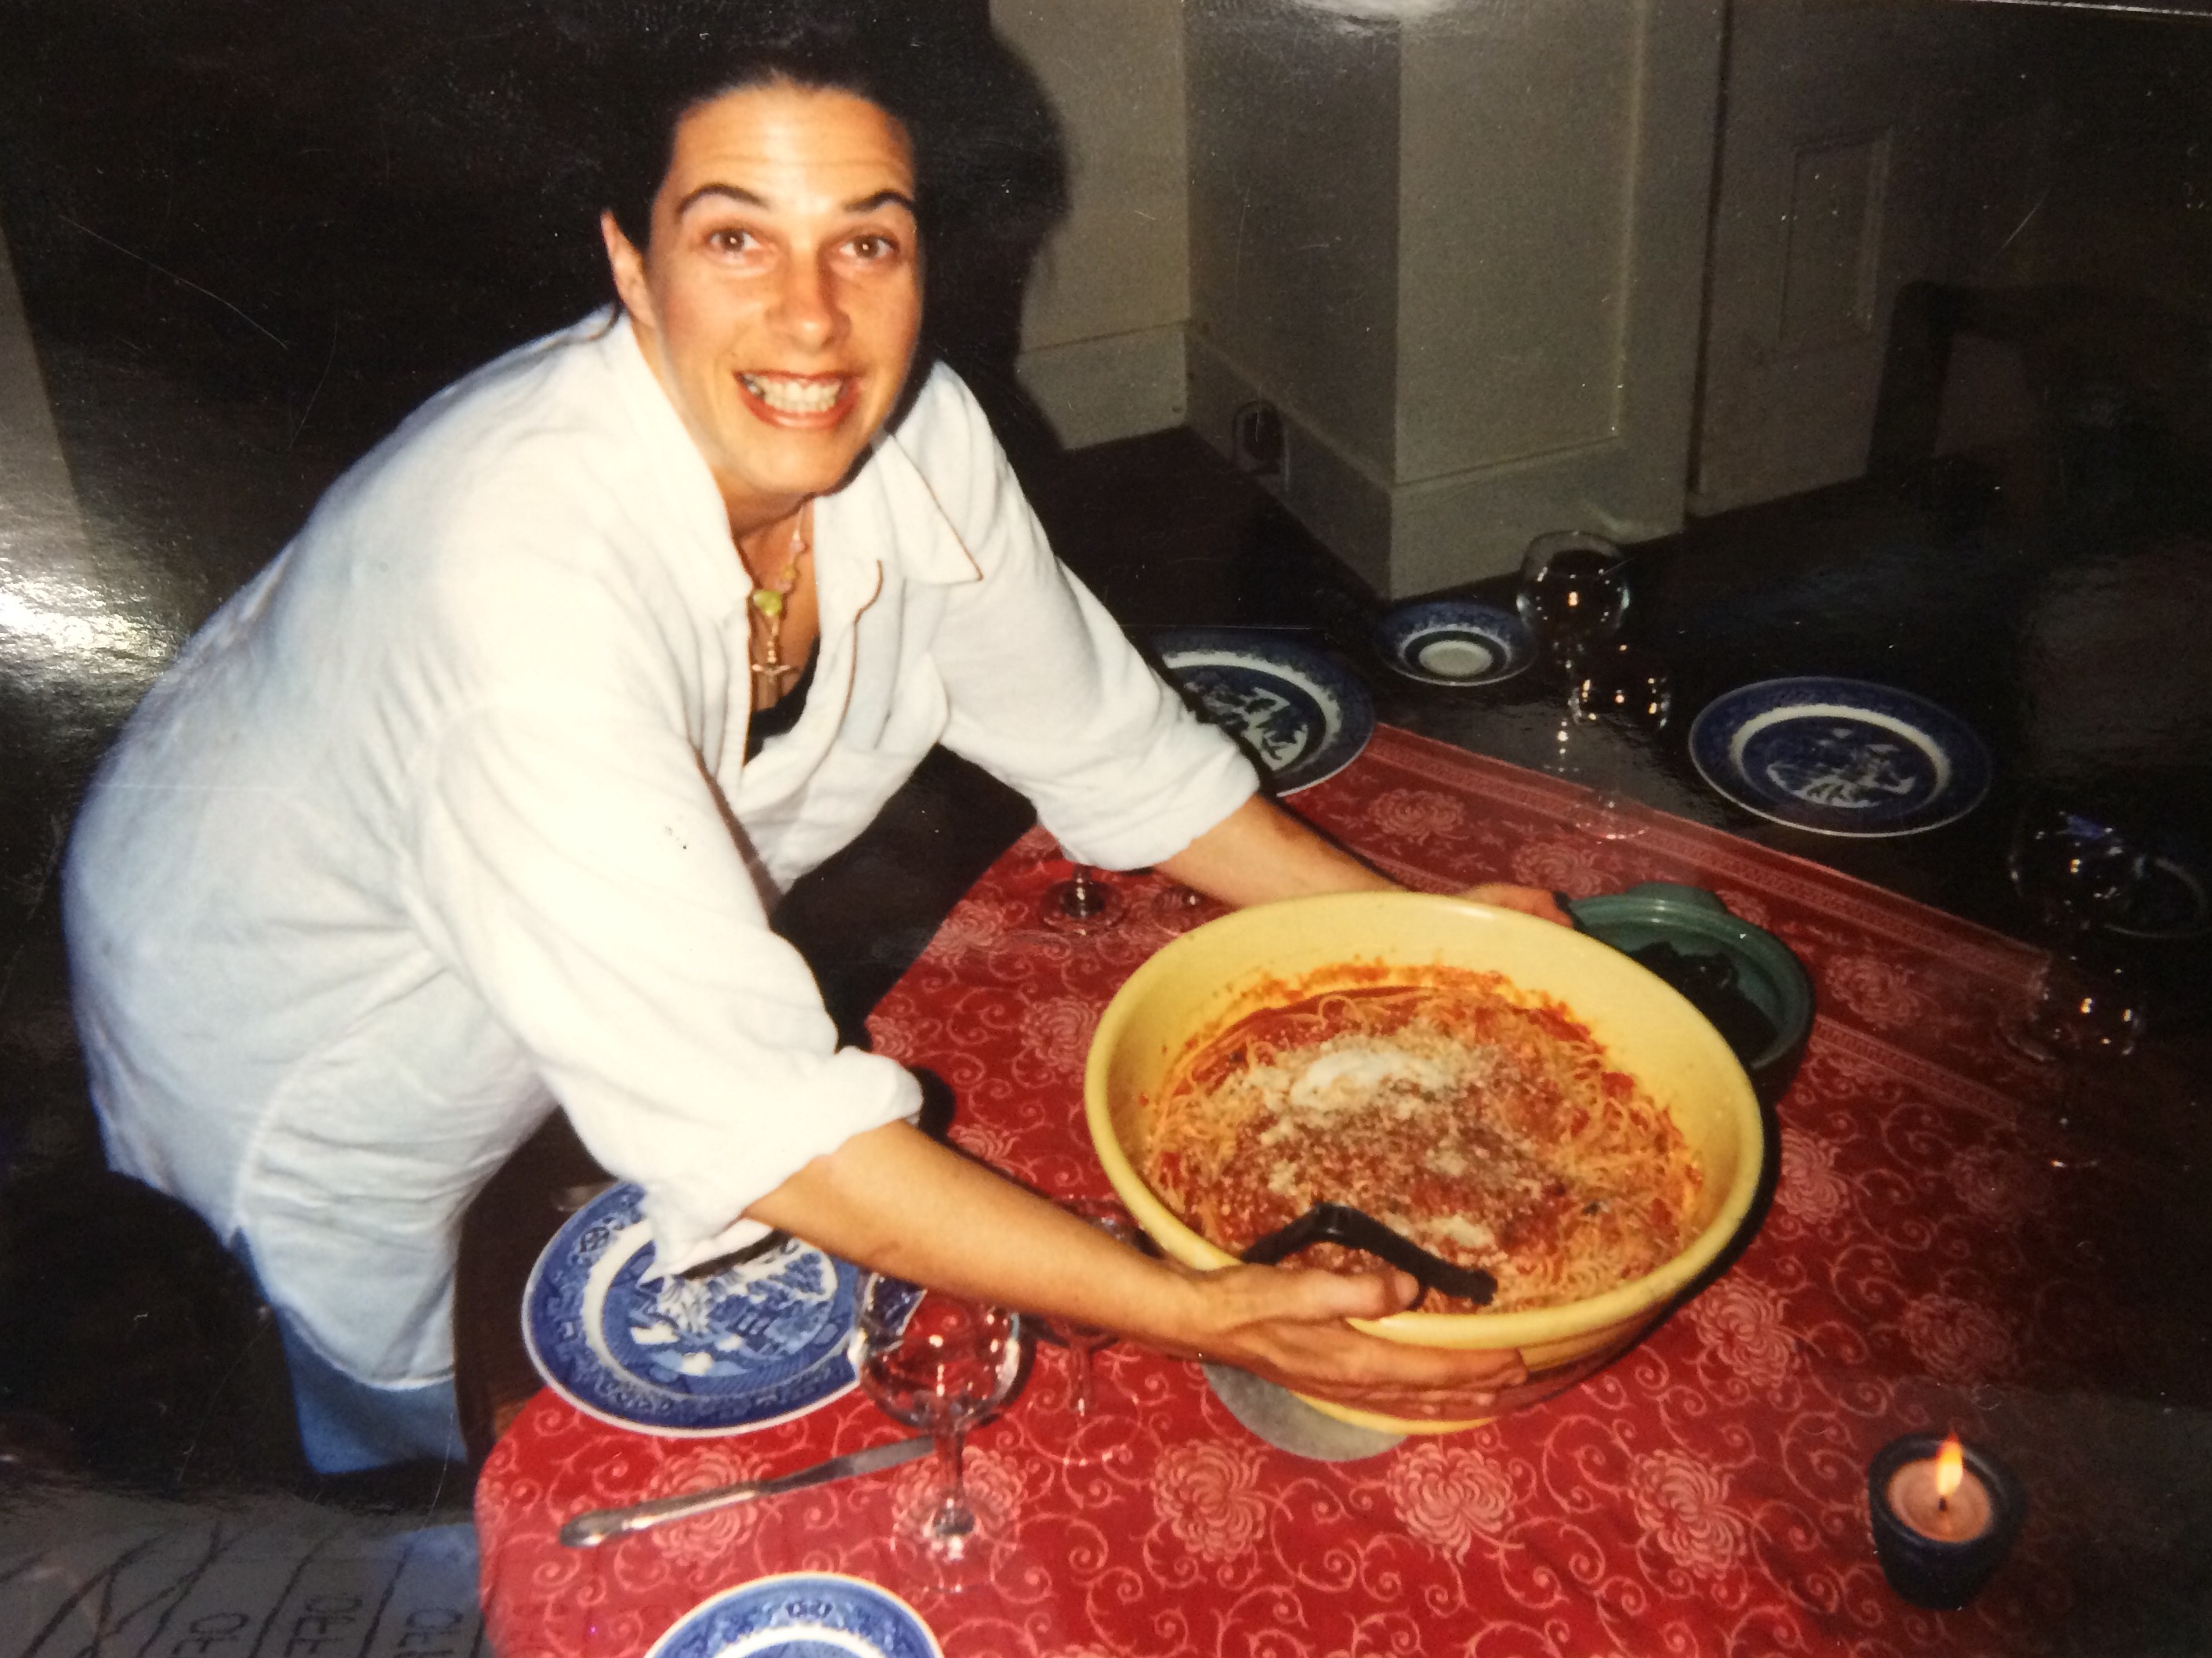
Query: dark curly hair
[(935, 66), (990, 168), (689, 55)]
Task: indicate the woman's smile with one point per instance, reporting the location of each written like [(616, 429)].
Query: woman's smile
[(805, 400)]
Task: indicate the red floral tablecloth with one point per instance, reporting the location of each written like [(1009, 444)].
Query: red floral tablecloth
[(1932, 1256)]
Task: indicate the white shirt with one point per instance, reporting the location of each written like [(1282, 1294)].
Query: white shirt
[(445, 817)]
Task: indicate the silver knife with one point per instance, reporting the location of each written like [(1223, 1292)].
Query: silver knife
[(590, 1530)]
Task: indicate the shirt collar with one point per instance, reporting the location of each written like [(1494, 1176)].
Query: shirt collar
[(673, 456), (928, 548)]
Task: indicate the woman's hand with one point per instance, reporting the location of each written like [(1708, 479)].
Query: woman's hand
[(894, 1199), (1529, 901), (1286, 1325)]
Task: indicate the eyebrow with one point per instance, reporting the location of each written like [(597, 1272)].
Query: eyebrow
[(739, 193)]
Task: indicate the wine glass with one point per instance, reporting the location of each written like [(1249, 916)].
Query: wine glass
[(2078, 874), (941, 1363), (1082, 1340), (1178, 908), (1085, 902), (2076, 871), (1629, 689), (1573, 594)]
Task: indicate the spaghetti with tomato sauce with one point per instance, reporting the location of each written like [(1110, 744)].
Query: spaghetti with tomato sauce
[(1478, 1120)]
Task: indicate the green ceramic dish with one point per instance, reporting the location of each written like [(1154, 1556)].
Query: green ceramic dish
[(1696, 923)]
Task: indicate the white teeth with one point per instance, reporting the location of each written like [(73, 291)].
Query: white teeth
[(790, 397)]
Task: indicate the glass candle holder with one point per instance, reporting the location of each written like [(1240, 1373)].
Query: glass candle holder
[(1937, 1551)]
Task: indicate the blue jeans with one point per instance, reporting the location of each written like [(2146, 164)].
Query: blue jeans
[(347, 1424)]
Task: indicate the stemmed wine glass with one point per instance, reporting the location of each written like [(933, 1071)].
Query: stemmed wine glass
[(1629, 689), (1082, 1340), (1085, 902), (941, 1363), (1573, 594), (1178, 908), (2078, 874)]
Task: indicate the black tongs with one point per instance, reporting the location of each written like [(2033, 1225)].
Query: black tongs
[(1355, 1229)]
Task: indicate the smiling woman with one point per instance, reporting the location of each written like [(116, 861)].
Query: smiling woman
[(778, 298), (474, 804), (987, 166), (777, 301)]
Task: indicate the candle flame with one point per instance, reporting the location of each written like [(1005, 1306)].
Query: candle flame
[(1950, 1467)]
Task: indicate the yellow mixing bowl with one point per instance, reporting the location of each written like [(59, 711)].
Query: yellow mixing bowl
[(1217, 974)]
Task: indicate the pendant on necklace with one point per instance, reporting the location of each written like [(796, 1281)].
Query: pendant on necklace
[(768, 601)]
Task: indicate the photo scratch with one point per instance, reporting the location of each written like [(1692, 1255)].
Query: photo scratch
[(109, 241)]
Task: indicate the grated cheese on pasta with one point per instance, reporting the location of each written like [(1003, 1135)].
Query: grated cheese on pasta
[(1481, 1120)]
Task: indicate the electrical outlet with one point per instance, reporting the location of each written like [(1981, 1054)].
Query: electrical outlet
[(1255, 438)]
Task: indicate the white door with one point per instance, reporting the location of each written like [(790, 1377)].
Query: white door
[(1865, 144)]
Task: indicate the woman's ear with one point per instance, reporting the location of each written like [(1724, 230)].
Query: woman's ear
[(629, 267)]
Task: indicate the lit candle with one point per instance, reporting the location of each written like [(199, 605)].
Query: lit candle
[(1943, 1517), (1940, 1497)]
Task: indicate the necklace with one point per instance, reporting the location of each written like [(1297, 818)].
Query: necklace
[(768, 601)]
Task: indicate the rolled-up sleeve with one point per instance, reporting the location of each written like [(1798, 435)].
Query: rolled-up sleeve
[(576, 867), (1046, 694)]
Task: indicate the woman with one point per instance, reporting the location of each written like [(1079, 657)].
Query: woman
[(463, 805)]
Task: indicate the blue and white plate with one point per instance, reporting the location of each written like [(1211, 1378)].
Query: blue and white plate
[(1454, 642), (1296, 711), (762, 1340), (801, 1615), (1840, 756)]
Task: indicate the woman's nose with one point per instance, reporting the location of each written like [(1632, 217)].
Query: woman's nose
[(808, 309)]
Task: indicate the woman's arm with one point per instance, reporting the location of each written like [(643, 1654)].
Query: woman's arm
[(1260, 853), (894, 1199)]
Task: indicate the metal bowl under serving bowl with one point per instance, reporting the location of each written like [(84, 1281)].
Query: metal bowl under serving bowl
[(1220, 973)]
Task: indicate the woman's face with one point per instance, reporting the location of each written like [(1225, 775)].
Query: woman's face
[(779, 295)]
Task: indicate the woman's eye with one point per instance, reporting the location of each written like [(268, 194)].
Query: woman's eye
[(872, 246), (730, 241)]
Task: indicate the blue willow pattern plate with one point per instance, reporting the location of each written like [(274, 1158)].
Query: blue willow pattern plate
[(1454, 642), (800, 1615), (761, 1341), (1840, 756), (1292, 708)]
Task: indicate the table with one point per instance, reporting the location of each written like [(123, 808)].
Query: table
[(1933, 1255)]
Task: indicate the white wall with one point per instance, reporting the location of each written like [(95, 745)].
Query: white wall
[(1463, 257), (1102, 323)]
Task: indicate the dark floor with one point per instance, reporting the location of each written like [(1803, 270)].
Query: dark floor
[(2063, 626)]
